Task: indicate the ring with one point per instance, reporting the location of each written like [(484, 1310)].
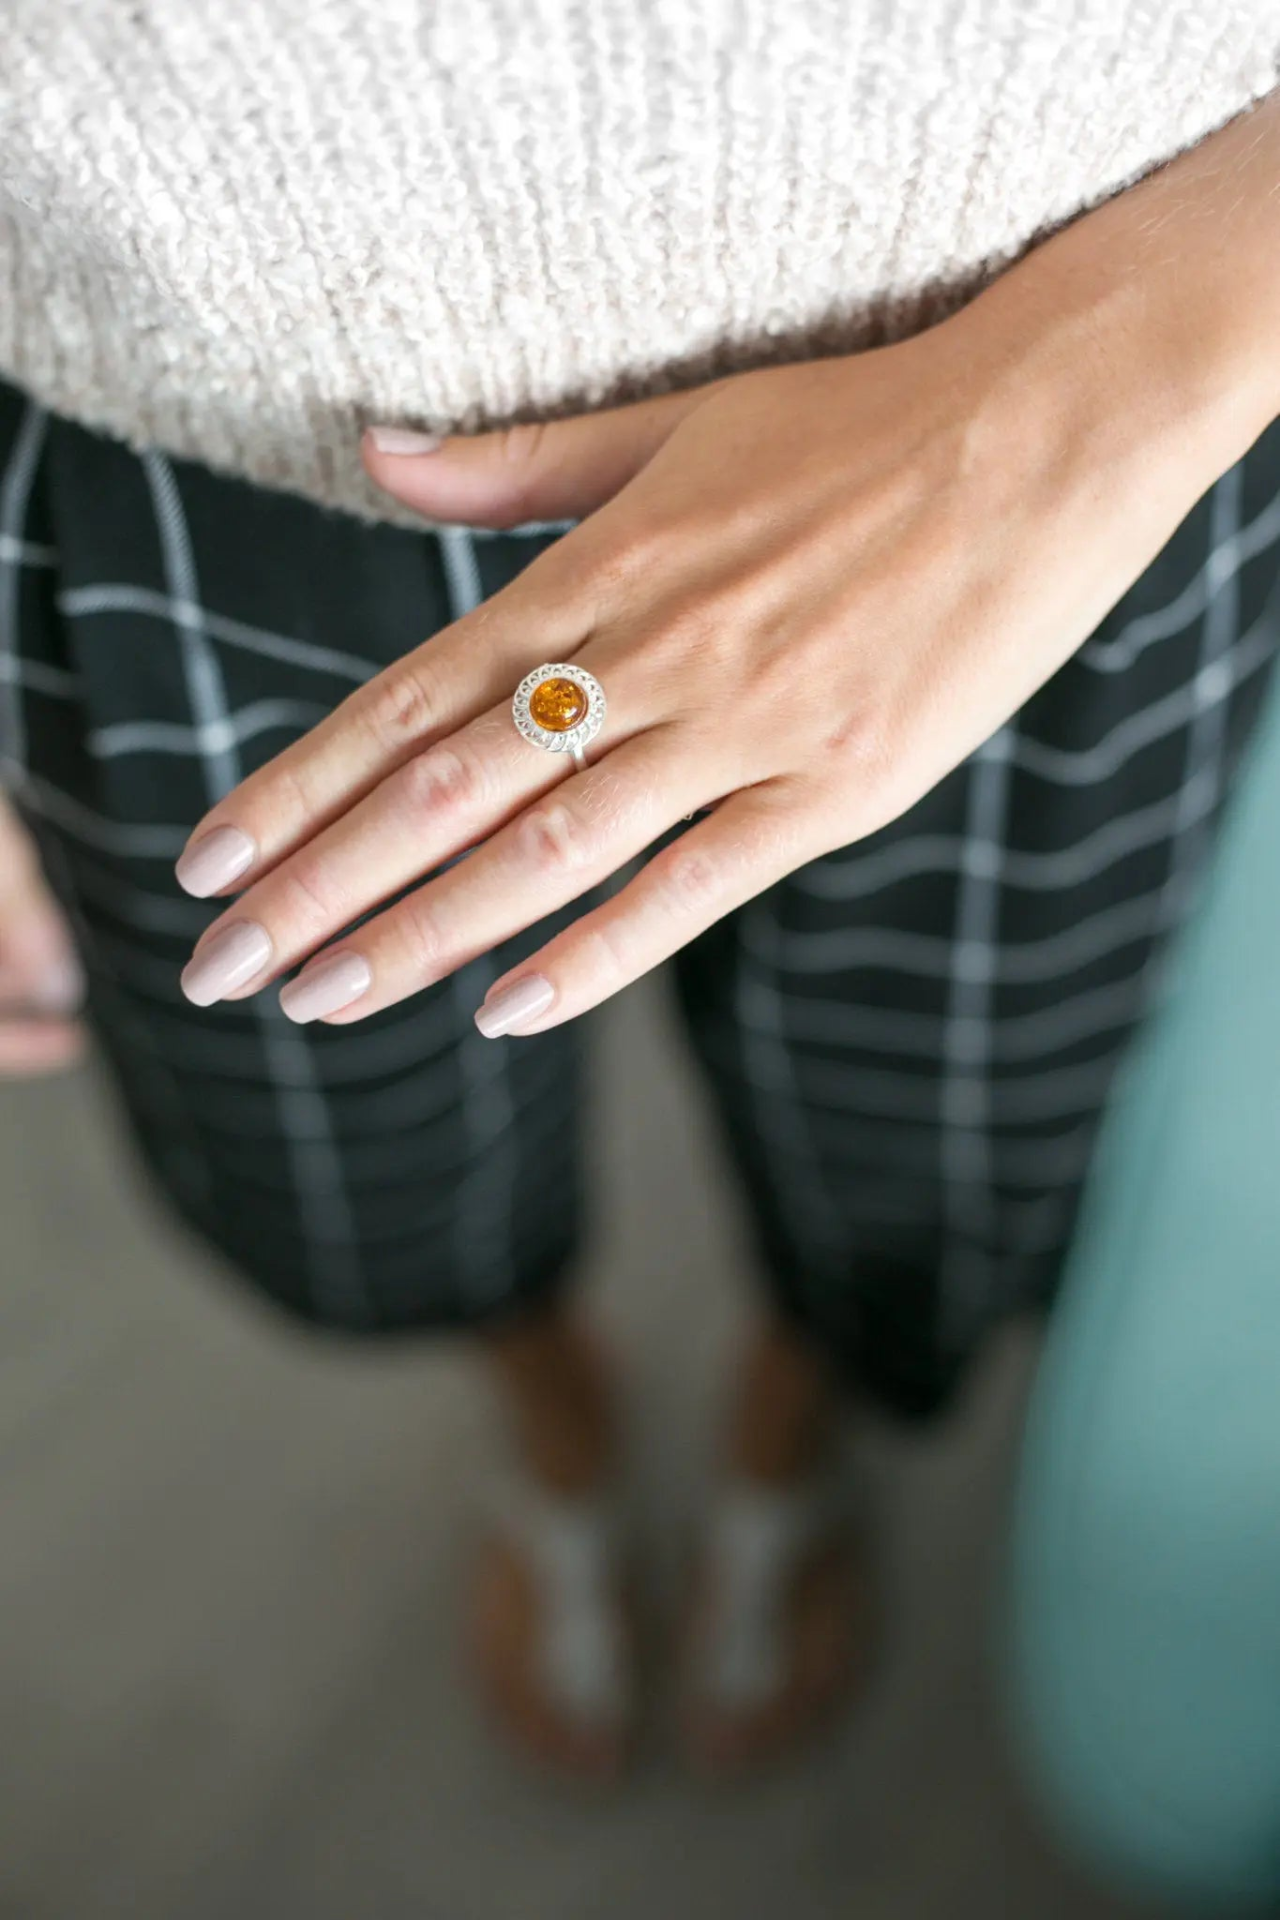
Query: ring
[(560, 708)]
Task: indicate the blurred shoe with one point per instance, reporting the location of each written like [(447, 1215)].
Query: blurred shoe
[(781, 1624), (553, 1631)]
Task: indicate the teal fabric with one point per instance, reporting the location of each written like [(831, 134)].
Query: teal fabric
[(1145, 1619)]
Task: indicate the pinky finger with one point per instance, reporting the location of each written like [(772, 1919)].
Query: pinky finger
[(750, 841)]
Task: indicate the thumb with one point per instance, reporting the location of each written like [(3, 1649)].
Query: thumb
[(552, 470)]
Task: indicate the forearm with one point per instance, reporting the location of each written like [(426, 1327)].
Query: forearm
[(1173, 287)]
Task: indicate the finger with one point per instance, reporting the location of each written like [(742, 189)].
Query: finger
[(450, 680), (430, 809), (551, 470), (33, 1046), (752, 840), (557, 849)]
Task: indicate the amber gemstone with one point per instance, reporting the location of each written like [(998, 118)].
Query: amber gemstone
[(558, 705)]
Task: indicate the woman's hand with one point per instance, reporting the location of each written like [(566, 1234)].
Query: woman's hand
[(808, 592), (40, 981)]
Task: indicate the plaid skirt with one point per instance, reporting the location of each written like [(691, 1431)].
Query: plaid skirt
[(910, 1041)]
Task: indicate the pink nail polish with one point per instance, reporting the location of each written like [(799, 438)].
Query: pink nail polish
[(326, 987), (214, 861), (510, 1007), (403, 440), (227, 960)]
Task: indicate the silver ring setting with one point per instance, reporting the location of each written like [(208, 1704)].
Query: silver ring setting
[(560, 708)]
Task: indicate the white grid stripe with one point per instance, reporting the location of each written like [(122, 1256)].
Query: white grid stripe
[(183, 610), (15, 496), (1207, 734), (1222, 563), (324, 1214), (1071, 866), (174, 1141), (781, 1118), (965, 1158), (25, 553), (1028, 1036), (483, 1222), (40, 678), (223, 736), (1054, 957)]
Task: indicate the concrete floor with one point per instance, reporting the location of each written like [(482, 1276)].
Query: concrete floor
[(229, 1589)]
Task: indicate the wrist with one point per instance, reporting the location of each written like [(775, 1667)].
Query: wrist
[(1151, 322)]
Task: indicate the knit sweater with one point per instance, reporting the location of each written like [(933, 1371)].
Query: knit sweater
[(240, 229)]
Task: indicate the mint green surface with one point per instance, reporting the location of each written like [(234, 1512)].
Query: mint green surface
[(1145, 1620)]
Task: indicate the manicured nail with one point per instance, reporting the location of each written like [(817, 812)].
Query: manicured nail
[(60, 988), (507, 1010), (403, 440), (214, 861), (226, 961), (326, 987)]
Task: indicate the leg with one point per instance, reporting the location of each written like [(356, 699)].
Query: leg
[(783, 1419), (911, 1041), (780, 1617), (555, 1551), (556, 1395), (781, 1610), (169, 630)]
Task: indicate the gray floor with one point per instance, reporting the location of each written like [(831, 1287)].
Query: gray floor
[(229, 1590)]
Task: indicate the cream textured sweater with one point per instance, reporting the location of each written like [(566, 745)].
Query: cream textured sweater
[(239, 229)]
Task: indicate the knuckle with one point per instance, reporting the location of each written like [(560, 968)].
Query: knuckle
[(630, 547), (706, 627), (690, 880), (606, 959), (293, 797), (554, 840), (695, 623), (863, 763), (444, 781), (862, 741), (399, 708)]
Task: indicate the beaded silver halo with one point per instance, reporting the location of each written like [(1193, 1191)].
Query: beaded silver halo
[(575, 732)]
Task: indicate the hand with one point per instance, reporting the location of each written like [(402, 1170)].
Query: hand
[(808, 592), (40, 980)]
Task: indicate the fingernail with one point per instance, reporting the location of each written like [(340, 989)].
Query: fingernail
[(326, 987), (226, 961), (214, 861), (507, 1010), (403, 440), (60, 988)]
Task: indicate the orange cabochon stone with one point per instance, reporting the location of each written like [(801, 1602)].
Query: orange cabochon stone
[(558, 704)]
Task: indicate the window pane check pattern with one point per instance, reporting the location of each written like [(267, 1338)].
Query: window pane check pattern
[(909, 1042)]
